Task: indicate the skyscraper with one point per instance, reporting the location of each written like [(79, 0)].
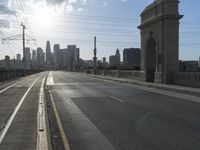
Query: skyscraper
[(19, 57), (56, 49), (131, 56), (71, 56), (40, 57), (48, 54), (27, 54)]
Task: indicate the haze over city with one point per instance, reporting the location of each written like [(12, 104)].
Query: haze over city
[(99, 75), (114, 22)]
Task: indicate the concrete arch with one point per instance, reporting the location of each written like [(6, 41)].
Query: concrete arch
[(160, 40)]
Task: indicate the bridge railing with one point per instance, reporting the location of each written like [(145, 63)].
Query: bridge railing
[(188, 78), (12, 74)]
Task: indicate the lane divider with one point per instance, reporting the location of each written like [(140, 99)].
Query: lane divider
[(42, 142), (12, 116), (62, 132)]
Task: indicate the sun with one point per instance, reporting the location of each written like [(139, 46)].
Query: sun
[(43, 17)]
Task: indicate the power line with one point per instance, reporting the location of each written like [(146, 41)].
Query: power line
[(8, 44)]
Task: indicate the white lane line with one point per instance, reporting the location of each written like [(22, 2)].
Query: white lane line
[(117, 99), (50, 80), (42, 142), (8, 87), (12, 116), (62, 132)]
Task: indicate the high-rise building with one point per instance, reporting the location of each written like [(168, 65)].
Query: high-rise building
[(114, 60), (27, 54), (71, 56), (131, 56), (34, 58), (56, 49), (34, 55), (104, 60), (117, 54), (19, 57), (77, 58), (48, 54), (199, 62), (63, 59), (40, 57)]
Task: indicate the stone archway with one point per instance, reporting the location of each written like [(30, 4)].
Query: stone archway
[(150, 59), (161, 20)]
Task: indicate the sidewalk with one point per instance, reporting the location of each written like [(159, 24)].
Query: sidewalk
[(172, 88)]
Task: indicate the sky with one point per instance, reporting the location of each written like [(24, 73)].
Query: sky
[(66, 22)]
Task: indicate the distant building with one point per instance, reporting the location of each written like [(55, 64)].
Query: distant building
[(7, 62), (104, 60), (131, 56), (48, 54), (199, 62), (40, 57), (89, 64), (27, 55), (73, 57), (114, 60), (77, 58), (19, 57), (188, 66), (34, 58), (56, 50), (63, 58), (117, 54)]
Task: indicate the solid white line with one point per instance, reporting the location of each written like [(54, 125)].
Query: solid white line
[(62, 132), (12, 116), (115, 98), (42, 143), (8, 87), (50, 80)]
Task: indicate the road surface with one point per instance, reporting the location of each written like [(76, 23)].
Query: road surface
[(86, 113), (19, 100)]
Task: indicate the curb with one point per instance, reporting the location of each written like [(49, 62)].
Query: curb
[(172, 88)]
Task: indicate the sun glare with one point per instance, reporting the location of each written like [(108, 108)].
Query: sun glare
[(43, 17)]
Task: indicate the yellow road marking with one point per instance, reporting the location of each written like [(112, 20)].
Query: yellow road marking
[(64, 138)]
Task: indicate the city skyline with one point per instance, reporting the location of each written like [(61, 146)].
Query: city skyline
[(72, 23)]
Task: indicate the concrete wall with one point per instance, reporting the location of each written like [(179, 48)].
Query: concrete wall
[(188, 79)]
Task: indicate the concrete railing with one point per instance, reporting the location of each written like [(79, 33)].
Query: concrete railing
[(127, 74), (12, 74), (188, 78)]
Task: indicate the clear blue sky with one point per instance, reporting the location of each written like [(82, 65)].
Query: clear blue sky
[(114, 22)]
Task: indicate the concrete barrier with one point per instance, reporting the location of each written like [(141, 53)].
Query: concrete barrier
[(12, 74), (188, 79)]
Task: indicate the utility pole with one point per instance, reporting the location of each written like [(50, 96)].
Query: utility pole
[(23, 41), (22, 37), (95, 55)]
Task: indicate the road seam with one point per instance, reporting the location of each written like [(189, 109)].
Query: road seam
[(12, 116), (62, 132), (42, 142), (117, 99)]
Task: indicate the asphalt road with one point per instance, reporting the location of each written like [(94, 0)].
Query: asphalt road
[(22, 131), (103, 115)]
